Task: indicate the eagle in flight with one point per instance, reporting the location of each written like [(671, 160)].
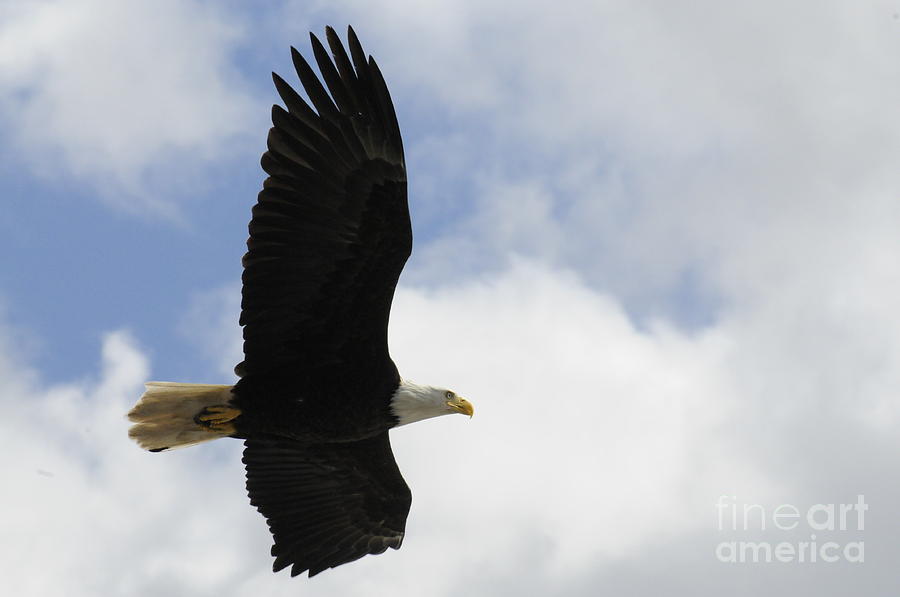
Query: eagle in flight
[(317, 389)]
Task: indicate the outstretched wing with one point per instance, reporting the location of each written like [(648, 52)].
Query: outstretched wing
[(330, 232), (327, 504)]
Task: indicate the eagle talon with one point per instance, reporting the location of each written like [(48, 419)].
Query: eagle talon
[(217, 416)]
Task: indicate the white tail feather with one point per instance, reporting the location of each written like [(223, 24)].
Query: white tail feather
[(164, 416)]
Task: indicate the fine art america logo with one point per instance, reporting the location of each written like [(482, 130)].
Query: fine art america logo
[(816, 533)]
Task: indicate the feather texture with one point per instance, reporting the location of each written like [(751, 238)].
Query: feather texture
[(330, 232), (327, 504)]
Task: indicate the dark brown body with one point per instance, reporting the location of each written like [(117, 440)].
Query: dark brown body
[(332, 407)]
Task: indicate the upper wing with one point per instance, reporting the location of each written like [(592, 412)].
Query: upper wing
[(327, 504), (330, 232)]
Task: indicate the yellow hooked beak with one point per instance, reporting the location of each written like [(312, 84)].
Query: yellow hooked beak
[(462, 405)]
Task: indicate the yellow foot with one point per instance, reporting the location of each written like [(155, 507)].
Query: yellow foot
[(218, 418)]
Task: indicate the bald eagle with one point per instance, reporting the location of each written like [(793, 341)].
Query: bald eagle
[(317, 390)]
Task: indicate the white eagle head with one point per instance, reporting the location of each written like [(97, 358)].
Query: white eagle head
[(412, 402)]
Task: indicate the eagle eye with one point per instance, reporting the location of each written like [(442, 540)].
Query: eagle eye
[(450, 395)]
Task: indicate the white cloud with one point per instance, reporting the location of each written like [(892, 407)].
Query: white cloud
[(567, 421), (86, 510), (87, 499), (121, 95), (596, 453), (645, 139)]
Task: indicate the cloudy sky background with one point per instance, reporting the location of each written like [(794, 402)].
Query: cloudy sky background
[(656, 245)]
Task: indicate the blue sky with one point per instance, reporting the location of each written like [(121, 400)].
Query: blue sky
[(655, 245)]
